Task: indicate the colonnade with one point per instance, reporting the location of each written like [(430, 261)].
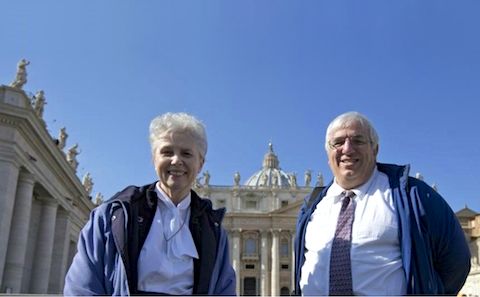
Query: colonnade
[(34, 235), (269, 276)]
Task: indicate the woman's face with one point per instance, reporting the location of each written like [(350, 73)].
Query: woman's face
[(177, 161)]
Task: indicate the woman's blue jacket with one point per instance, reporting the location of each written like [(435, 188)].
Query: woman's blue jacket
[(109, 245)]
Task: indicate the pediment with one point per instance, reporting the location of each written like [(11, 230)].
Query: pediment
[(466, 213)]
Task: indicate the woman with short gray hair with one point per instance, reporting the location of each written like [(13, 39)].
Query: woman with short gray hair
[(161, 238)]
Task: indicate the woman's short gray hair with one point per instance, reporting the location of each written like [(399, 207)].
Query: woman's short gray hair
[(179, 122), (346, 119)]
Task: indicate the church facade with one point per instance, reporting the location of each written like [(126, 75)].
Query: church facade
[(260, 220)]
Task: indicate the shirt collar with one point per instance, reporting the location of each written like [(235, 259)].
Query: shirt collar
[(162, 196), (336, 191)]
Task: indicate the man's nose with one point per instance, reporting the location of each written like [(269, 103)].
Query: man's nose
[(347, 146)]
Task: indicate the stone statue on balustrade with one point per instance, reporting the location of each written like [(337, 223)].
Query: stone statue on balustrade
[(293, 180), (319, 180), (98, 199), (39, 103), (236, 179), (206, 178), (62, 138), (21, 76), (72, 156), (308, 178), (88, 183)]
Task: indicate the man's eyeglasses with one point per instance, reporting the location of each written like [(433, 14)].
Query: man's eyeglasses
[(355, 141)]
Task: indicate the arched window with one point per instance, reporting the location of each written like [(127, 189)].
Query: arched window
[(284, 291)]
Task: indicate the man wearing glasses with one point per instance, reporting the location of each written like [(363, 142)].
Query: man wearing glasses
[(374, 230)]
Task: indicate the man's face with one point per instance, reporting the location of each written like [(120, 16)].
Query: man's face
[(351, 155), (177, 162)]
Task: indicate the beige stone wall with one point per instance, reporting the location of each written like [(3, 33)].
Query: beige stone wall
[(43, 204)]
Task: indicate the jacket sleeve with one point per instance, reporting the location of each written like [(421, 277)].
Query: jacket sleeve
[(450, 251), (223, 280), (86, 274)]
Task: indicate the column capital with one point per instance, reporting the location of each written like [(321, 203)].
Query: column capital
[(10, 157), (236, 231), (26, 177), (276, 231), (47, 201)]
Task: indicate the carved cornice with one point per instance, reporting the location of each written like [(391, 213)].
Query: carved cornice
[(9, 120), (41, 152)]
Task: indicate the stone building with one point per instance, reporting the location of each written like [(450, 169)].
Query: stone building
[(43, 204), (260, 219), (470, 221)]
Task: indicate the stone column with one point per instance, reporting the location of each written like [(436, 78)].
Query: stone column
[(237, 201), (292, 255), (44, 247), (236, 256), (17, 244), (275, 263), (264, 275), (9, 171), (60, 253)]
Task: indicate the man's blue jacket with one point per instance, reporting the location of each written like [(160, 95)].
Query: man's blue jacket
[(109, 245), (435, 254)]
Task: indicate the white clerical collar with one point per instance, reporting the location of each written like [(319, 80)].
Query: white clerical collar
[(184, 204), (337, 191)]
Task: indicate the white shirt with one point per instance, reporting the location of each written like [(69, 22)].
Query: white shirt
[(165, 264), (376, 257)]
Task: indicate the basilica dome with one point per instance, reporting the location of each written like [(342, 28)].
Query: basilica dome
[(270, 175)]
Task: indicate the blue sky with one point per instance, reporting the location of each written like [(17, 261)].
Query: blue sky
[(254, 72)]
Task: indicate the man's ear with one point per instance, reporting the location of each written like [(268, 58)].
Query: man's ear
[(376, 150), (153, 156)]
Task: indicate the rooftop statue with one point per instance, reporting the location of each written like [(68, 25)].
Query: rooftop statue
[(72, 156), (236, 178), (39, 103), (319, 180), (21, 76), (99, 199), (62, 138), (88, 183), (293, 180), (308, 178), (206, 178)]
